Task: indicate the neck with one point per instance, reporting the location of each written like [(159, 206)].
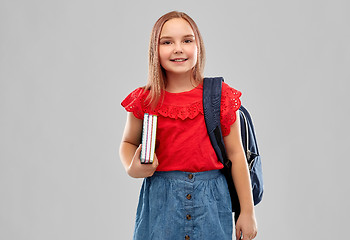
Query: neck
[(180, 82)]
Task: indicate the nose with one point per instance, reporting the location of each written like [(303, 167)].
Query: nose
[(177, 48)]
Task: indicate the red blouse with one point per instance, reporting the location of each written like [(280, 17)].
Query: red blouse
[(182, 141)]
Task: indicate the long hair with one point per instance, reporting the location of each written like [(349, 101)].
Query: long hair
[(156, 73)]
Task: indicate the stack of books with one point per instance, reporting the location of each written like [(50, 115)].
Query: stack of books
[(148, 138)]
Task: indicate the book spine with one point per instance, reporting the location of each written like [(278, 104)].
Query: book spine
[(144, 138), (149, 139), (154, 131)]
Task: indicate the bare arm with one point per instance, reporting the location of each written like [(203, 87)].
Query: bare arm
[(246, 222), (130, 149)]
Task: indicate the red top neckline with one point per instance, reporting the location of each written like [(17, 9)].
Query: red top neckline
[(199, 86)]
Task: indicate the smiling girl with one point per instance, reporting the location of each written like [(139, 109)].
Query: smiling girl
[(184, 195)]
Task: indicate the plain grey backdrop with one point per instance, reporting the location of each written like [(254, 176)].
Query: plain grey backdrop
[(65, 66)]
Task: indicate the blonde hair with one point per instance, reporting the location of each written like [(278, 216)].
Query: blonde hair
[(156, 73)]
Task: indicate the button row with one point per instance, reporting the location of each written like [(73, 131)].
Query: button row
[(188, 196)]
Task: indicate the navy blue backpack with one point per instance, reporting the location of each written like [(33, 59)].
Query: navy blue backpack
[(211, 107)]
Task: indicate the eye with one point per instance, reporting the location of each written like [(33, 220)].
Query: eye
[(188, 41), (165, 42)]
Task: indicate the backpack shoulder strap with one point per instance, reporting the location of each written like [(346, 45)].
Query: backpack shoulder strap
[(211, 108)]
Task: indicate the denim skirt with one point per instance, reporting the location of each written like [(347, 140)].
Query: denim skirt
[(177, 205)]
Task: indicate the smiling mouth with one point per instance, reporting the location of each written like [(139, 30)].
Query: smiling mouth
[(179, 59)]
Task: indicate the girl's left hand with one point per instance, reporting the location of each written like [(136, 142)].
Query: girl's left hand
[(246, 226)]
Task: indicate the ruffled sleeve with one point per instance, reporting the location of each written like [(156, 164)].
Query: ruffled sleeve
[(230, 103), (134, 103)]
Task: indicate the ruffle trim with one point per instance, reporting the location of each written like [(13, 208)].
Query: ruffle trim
[(230, 103), (190, 111), (134, 102)]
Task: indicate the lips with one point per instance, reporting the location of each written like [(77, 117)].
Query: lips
[(179, 59)]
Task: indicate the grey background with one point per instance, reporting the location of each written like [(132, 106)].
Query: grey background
[(66, 66)]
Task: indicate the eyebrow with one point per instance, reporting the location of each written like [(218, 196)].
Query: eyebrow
[(189, 35)]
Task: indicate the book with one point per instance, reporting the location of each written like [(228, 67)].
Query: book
[(149, 130)]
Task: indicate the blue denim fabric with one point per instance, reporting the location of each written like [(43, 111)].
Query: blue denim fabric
[(173, 205)]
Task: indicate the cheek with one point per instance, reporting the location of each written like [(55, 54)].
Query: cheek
[(196, 52), (163, 54), (193, 52)]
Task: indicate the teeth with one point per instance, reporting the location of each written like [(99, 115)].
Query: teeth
[(179, 60)]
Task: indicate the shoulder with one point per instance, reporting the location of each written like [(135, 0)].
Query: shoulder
[(228, 90), (135, 102), (137, 92), (230, 98)]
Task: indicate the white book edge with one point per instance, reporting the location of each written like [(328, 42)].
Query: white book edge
[(144, 137), (154, 130), (149, 139)]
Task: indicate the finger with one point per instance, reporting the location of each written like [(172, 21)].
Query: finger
[(153, 166), (138, 152), (245, 237), (248, 237), (155, 161), (238, 234)]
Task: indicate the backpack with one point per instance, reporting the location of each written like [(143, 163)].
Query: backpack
[(211, 108)]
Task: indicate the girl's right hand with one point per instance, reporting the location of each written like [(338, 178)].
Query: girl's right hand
[(138, 170)]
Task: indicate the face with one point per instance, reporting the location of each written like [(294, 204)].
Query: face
[(177, 46)]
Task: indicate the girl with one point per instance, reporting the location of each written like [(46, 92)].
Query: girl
[(184, 195)]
